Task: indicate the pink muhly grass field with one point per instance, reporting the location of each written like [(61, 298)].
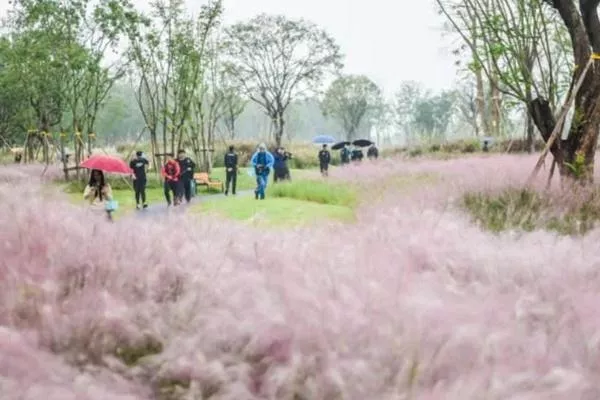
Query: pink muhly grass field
[(411, 302)]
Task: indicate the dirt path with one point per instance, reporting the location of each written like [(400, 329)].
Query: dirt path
[(154, 210)]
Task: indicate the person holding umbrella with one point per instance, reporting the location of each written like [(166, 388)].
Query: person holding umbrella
[(98, 193), (171, 173), (357, 153), (324, 160), (344, 152), (373, 152)]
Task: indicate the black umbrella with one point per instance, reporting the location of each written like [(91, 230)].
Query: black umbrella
[(362, 143), (339, 146)]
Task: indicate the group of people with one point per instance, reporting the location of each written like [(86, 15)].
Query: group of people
[(178, 174), (354, 154)]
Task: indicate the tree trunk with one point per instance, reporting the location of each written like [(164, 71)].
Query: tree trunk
[(480, 104), (496, 106), (583, 136), (279, 128), (543, 118), (530, 134), (583, 25)]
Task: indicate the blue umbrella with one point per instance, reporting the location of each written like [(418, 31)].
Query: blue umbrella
[(323, 139)]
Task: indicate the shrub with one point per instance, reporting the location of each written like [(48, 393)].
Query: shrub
[(572, 213)]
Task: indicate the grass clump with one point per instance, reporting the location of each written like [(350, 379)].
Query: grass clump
[(130, 355), (333, 194), (572, 213)]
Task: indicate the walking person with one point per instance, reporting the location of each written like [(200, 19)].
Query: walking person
[(99, 193), (345, 155), (139, 165), (356, 155), (373, 152), (324, 160), (231, 170), (186, 168), (280, 168), (171, 172), (262, 161)]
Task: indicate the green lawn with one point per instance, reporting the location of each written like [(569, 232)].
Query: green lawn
[(123, 193), (274, 211)]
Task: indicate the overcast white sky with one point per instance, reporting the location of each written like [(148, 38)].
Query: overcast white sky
[(388, 40)]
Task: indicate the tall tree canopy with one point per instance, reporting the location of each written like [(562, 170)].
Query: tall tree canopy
[(276, 60), (351, 99)]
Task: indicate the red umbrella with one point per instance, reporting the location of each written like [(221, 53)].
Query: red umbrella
[(107, 164)]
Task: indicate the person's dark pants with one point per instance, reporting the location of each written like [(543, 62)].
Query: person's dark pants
[(172, 187), (230, 179), (139, 185), (186, 190), (278, 174), (324, 168)]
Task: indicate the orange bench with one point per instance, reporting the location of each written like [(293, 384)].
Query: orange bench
[(203, 179)]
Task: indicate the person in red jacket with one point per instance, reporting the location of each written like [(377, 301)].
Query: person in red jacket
[(171, 174)]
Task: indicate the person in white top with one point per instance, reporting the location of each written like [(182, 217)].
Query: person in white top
[(98, 192)]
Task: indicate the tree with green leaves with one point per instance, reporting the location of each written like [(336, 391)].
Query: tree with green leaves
[(352, 100), (169, 55), (575, 154), (276, 60), (60, 49), (519, 45), (420, 115)]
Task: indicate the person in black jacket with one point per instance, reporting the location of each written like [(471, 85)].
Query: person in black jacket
[(373, 152), (280, 167), (187, 167), (324, 160), (139, 166), (345, 155), (231, 169)]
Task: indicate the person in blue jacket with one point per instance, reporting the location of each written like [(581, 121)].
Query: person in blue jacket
[(262, 161)]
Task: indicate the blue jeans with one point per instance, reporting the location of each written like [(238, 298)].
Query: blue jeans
[(261, 184)]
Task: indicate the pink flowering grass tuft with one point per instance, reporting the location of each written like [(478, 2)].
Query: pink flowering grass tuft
[(413, 301)]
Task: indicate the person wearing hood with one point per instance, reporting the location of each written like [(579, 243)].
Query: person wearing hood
[(262, 161)]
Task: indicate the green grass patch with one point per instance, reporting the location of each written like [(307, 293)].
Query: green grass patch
[(527, 210), (275, 211), (321, 192)]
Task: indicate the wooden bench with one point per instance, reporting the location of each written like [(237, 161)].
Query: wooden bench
[(203, 179)]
